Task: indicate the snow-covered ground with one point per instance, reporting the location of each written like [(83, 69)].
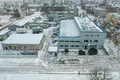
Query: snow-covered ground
[(43, 77)]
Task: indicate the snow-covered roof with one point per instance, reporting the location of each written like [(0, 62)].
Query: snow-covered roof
[(68, 28), (4, 31), (98, 8), (86, 25), (27, 19), (52, 49), (24, 39)]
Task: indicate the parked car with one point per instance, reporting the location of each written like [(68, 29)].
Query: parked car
[(54, 41), (54, 36), (37, 30)]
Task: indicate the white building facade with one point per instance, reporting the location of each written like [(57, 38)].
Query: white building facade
[(80, 33)]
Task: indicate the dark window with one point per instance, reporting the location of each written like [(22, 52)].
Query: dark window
[(87, 35), (72, 41), (72, 45), (92, 35), (5, 48), (61, 45), (98, 35), (90, 40), (61, 41), (77, 41), (76, 45), (66, 45), (85, 40), (95, 40), (66, 41), (86, 47)]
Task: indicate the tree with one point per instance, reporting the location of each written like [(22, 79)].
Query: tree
[(16, 14), (99, 73), (92, 51), (81, 52), (66, 50), (82, 4), (55, 54)]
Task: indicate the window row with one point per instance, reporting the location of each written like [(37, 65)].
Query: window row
[(68, 41), (90, 41), (76, 46), (87, 35), (70, 46)]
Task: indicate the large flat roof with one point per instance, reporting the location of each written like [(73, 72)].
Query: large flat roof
[(24, 39), (86, 25), (68, 28)]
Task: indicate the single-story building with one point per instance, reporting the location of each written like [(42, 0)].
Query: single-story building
[(52, 49), (24, 42)]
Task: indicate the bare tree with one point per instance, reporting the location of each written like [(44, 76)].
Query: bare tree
[(94, 73), (99, 73)]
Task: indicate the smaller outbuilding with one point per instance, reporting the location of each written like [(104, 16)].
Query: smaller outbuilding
[(52, 50), (24, 42)]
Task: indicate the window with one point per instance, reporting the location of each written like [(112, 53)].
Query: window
[(61, 41), (95, 40), (72, 45), (90, 40), (76, 45), (98, 35), (85, 40), (72, 41), (66, 45), (66, 41), (92, 35), (77, 41), (61, 45)]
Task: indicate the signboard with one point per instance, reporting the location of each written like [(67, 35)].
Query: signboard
[(115, 22), (108, 19)]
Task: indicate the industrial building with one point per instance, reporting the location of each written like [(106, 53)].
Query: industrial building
[(23, 22), (24, 42), (99, 12), (80, 33)]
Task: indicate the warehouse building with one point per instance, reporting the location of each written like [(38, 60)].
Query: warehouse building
[(24, 42), (79, 33), (22, 23)]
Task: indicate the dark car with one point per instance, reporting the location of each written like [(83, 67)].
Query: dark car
[(37, 30), (54, 41)]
